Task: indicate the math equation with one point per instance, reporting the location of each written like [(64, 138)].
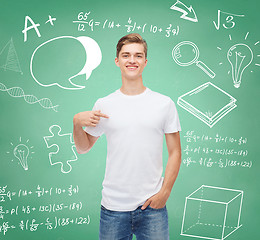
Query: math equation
[(85, 23), (60, 207), (215, 151)]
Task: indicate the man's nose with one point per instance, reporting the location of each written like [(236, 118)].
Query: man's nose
[(132, 59)]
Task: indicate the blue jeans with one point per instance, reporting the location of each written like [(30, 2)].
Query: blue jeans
[(148, 224)]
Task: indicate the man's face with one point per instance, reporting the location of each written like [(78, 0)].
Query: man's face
[(131, 60)]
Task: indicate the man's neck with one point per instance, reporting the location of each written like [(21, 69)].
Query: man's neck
[(132, 87)]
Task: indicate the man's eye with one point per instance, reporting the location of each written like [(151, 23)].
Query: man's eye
[(125, 55)]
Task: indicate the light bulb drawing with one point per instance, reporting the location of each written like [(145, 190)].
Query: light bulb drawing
[(21, 151), (240, 57)]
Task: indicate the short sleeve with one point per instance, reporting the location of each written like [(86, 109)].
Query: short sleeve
[(98, 130), (172, 123)]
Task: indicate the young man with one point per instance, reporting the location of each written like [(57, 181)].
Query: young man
[(135, 120)]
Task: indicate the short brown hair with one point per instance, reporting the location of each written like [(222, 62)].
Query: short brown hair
[(131, 38)]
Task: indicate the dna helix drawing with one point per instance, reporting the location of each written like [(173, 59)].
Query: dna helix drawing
[(18, 92)]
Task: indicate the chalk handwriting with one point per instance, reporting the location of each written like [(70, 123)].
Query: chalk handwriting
[(33, 225), (61, 210), (86, 23), (33, 26), (229, 20), (215, 151), (192, 136), (38, 192), (51, 19), (50, 208)]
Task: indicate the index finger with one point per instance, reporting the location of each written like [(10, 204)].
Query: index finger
[(147, 203), (100, 114)]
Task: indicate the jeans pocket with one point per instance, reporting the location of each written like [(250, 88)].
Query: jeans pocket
[(157, 209)]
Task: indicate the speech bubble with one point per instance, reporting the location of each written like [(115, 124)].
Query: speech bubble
[(60, 60)]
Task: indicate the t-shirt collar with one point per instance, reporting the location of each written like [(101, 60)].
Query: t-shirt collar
[(133, 96)]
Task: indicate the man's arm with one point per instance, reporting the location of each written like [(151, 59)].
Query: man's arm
[(171, 172), (84, 141)]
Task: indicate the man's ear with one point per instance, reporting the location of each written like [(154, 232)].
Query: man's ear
[(117, 61), (145, 62)]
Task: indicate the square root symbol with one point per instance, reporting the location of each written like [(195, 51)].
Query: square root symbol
[(212, 213)]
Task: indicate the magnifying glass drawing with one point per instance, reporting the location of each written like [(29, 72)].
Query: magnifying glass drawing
[(186, 53)]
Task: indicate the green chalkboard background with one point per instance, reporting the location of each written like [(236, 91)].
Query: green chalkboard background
[(26, 116)]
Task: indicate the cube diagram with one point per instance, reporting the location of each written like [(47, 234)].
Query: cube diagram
[(212, 213)]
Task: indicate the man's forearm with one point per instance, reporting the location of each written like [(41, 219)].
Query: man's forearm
[(171, 172), (80, 139)]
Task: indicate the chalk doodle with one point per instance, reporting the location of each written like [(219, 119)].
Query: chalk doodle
[(22, 152), (208, 103), (18, 92), (240, 56), (9, 59), (186, 53), (212, 213), (61, 147), (188, 13), (67, 49)]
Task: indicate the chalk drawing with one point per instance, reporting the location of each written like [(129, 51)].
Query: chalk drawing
[(188, 13), (186, 53), (60, 146), (18, 92), (212, 213), (208, 103), (22, 152), (62, 70), (240, 57), (9, 59)]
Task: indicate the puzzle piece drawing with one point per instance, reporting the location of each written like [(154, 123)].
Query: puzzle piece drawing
[(61, 148)]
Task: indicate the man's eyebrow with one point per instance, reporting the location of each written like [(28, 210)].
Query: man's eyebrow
[(139, 53)]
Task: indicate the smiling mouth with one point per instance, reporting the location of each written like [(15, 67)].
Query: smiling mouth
[(131, 67)]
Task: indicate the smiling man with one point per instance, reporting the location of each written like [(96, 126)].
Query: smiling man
[(134, 119)]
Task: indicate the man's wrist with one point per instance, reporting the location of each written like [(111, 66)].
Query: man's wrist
[(165, 192), (76, 121)]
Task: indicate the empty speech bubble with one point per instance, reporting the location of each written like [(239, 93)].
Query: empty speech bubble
[(60, 60)]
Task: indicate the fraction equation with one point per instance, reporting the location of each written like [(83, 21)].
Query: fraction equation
[(49, 224), (38, 191), (86, 23)]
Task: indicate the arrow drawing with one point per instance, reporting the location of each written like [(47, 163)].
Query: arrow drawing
[(188, 13)]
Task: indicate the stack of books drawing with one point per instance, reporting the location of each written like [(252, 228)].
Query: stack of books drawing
[(208, 103)]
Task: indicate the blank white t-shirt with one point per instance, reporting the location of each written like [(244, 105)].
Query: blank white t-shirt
[(134, 131)]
